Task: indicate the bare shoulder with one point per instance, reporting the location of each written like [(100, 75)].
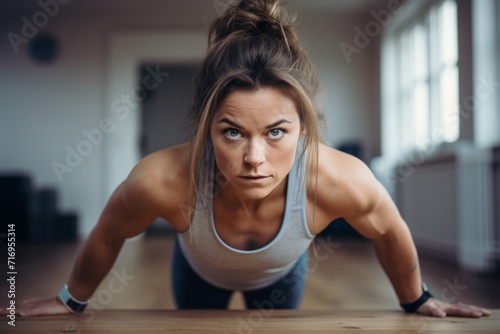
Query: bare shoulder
[(346, 186), (159, 182)]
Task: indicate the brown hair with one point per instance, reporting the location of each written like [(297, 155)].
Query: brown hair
[(254, 45)]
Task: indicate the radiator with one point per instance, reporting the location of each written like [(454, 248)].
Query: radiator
[(447, 201)]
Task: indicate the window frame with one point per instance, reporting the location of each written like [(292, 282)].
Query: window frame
[(406, 135)]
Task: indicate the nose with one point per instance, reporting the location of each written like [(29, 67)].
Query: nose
[(255, 153)]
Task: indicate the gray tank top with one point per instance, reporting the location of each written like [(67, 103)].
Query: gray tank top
[(234, 269)]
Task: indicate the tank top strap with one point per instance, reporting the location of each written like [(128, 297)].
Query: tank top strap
[(297, 178)]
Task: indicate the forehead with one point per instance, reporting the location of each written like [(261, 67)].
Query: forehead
[(266, 103)]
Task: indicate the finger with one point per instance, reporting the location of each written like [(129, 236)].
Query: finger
[(42, 310), (433, 308), (32, 300), (438, 313), (485, 312), (432, 311), (42, 307), (463, 310)]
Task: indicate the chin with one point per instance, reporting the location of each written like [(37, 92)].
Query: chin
[(257, 191), (255, 194)]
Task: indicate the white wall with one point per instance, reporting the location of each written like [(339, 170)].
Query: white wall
[(350, 83), (44, 109), (126, 52)]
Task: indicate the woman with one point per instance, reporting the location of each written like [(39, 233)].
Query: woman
[(253, 186)]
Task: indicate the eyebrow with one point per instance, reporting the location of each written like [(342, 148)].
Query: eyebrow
[(236, 125)]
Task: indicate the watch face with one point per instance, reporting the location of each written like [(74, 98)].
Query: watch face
[(77, 307), (426, 289)]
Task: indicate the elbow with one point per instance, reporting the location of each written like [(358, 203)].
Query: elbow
[(393, 233)]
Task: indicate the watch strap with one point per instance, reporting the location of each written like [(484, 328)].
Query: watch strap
[(72, 304), (412, 307)]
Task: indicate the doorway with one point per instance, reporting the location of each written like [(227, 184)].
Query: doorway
[(164, 109), (163, 116)]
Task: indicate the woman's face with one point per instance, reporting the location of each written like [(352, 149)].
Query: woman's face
[(255, 136)]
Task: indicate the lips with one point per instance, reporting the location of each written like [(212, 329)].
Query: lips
[(255, 177)]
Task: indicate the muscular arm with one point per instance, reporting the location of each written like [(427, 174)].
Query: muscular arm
[(397, 254), (393, 243), (351, 191), (148, 192), (118, 222), (154, 188)]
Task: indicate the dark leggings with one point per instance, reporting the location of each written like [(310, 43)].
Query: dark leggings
[(192, 292)]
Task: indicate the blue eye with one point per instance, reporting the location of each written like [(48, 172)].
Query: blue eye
[(232, 134), (276, 133)]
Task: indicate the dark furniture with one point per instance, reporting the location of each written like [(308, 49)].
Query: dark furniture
[(33, 211)]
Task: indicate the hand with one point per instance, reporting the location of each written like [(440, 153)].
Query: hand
[(437, 308), (38, 306)]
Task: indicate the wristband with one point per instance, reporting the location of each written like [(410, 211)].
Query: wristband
[(412, 307), (72, 304)]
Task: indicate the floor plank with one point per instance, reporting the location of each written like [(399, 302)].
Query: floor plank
[(255, 321)]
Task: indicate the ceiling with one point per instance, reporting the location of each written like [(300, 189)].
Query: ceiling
[(337, 4), (333, 5)]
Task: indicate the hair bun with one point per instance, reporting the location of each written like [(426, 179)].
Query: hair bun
[(252, 17)]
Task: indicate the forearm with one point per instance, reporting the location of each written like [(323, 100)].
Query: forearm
[(398, 257), (92, 264)]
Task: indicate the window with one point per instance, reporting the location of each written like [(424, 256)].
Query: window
[(447, 69), (486, 73), (424, 88)]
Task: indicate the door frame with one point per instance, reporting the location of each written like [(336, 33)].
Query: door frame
[(126, 51)]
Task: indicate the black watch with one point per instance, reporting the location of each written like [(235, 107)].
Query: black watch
[(412, 307)]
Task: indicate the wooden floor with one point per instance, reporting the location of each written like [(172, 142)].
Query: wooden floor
[(345, 275), (253, 321), (346, 290)]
